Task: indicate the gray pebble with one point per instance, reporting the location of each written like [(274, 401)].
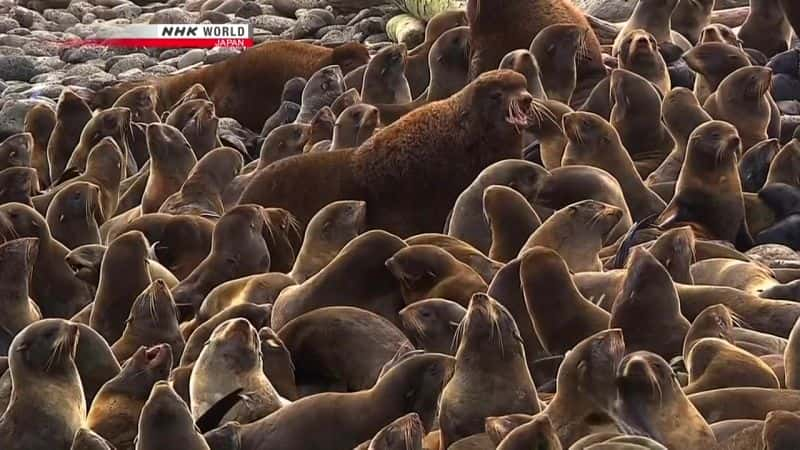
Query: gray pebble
[(308, 22), (193, 56), (79, 8), (273, 24), (218, 54), (95, 82), (127, 11), (336, 36), (49, 90), (118, 64), (371, 25), (215, 17), (172, 53), (325, 30), (19, 32), (25, 16), (132, 75), (3, 87), (160, 69), (7, 24), (377, 38), (88, 18), (290, 7), (56, 76), (60, 17), (249, 9), (41, 48), (15, 67), (12, 115), (82, 54), (49, 63), (83, 70), (8, 50), (171, 16)]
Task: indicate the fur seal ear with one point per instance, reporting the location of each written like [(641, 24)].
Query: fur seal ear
[(211, 418)]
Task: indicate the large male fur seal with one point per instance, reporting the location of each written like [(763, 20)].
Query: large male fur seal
[(411, 172)]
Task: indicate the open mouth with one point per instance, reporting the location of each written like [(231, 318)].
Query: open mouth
[(156, 355), (516, 116)]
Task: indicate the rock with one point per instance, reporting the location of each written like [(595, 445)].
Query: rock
[(41, 48), (15, 67), (272, 24), (249, 9), (127, 11), (56, 76), (132, 75), (118, 64), (171, 16), (193, 56), (371, 25), (3, 87), (94, 82), (288, 8), (61, 17), (83, 70), (309, 22), (336, 37), (160, 69), (49, 90), (325, 30), (48, 63), (226, 6), (172, 53), (25, 17), (214, 17), (377, 38), (79, 8), (12, 114), (79, 55), (8, 50), (7, 24), (218, 54), (41, 5)]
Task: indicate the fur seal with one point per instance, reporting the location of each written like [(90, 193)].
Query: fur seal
[(141, 100), (198, 335), (322, 125), (237, 249), (16, 151), (553, 301), (114, 413), (354, 126), (114, 123), (350, 97), (713, 62), (248, 86), (17, 258), (538, 433), (47, 390), (166, 422), (650, 399), (524, 62), (715, 363), (40, 122), (405, 433), (171, 163), (368, 174), (431, 324), (277, 363), (655, 17), (790, 356), (766, 28), (232, 360), (86, 439), (489, 341), (256, 289), (558, 48), (201, 193), (322, 89), (86, 262), (72, 115), (690, 17), (755, 164), (594, 141), (384, 77), (462, 251), (511, 220), (53, 287), (468, 221), (785, 167), (75, 215), (18, 185), (639, 53)]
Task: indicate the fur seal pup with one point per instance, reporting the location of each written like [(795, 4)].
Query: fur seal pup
[(166, 422), (256, 289), (72, 115), (650, 399), (171, 163), (318, 369), (561, 316), (282, 235), (17, 310), (412, 385), (322, 89), (153, 320), (418, 70), (232, 360), (384, 77), (586, 388), (489, 341), (201, 193), (16, 151), (238, 249), (538, 433), (86, 439), (462, 251), (257, 315), (741, 99), (790, 359), (740, 403), (468, 221), (427, 271), (248, 86), (648, 309), (524, 62), (766, 28), (690, 17), (322, 125), (357, 276), (405, 433), (675, 250), (639, 53), (511, 220), (559, 48), (655, 17), (590, 219), (47, 391), (780, 430), (354, 126), (53, 287), (785, 167), (18, 185), (755, 164), (114, 123), (492, 104), (75, 215), (86, 262), (277, 364), (350, 97), (715, 364), (431, 324), (749, 277), (39, 123), (114, 413), (326, 234), (713, 62), (637, 106), (682, 114), (141, 100), (709, 172), (595, 142)]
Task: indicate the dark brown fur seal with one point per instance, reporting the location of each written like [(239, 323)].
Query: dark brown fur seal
[(371, 172), (142, 103), (40, 122), (690, 17), (257, 289), (18, 185), (713, 62), (511, 219), (431, 324), (86, 439), (72, 115), (538, 433), (489, 345), (16, 151), (639, 54), (462, 251), (524, 62), (766, 29), (75, 215), (171, 162), (558, 49), (47, 390), (114, 123), (384, 78), (17, 258), (715, 364), (715, 321), (166, 422), (237, 86), (405, 433)]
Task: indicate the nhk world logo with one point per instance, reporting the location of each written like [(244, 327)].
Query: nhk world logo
[(174, 36)]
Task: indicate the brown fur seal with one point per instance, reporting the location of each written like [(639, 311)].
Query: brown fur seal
[(742, 100), (40, 122), (354, 126), (766, 29), (589, 219), (418, 72), (462, 251), (53, 287), (384, 78), (405, 433), (237, 249), (468, 221), (427, 271), (322, 89), (717, 32), (277, 363), (716, 321), (493, 104), (412, 385), (675, 250), (547, 129), (639, 54), (357, 276), (166, 422), (322, 125), (655, 17), (538, 433), (257, 289), (713, 62), (431, 324), (319, 368), (743, 403), (524, 62), (142, 102), (232, 360), (558, 49), (86, 439), (47, 390), (709, 172), (785, 167), (75, 215), (282, 235), (750, 277), (682, 113), (489, 345), (86, 263), (72, 115), (586, 388), (16, 151), (326, 234), (115, 411), (511, 220), (561, 316), (18, 185), (648, 309), (790, 359), (114, 123), (780, 430), (18, 310), (594, 141), (248, 87), (650, 400), (171, 162), (350, 97), (257, 315), (715, 363), (153, 320), (690, 17)]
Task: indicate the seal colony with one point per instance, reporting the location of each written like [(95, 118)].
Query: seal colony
[(510, 237)]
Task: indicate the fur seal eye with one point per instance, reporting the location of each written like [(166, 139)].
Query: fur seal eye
[(496, 95)]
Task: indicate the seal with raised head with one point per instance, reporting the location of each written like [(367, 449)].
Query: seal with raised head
[(165, 422), (16, 151), (258, 289), (17, 310), (171, 162), (714, 363), (18, 185), (511, 219), (114, 123), (655, 17), (72, 115), (766, 28), (75, 215), (354, 126), (690, 17), (431, 324), (384, 78), (40, 122), (86, 439), (639, 53), (558, 49), (538, 433), (713, 62)]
